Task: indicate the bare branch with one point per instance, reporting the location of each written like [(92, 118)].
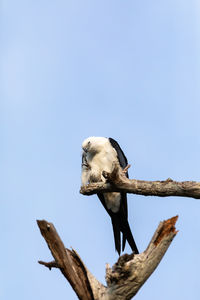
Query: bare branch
[(118, 182), (126, 276)]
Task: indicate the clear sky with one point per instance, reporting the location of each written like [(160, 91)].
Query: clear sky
[(71, 69)]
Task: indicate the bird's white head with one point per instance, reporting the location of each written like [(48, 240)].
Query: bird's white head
[(94, 144)]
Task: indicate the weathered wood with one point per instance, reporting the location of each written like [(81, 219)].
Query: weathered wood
[(124, 279), (67, 261), (118, 182), (131, 271)]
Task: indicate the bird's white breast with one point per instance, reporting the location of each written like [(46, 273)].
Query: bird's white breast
[(102, 161), (97, 163)]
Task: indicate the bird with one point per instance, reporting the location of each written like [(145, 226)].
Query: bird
[(100, 154)]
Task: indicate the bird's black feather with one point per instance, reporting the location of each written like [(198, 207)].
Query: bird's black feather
[(120, 219), (120, 154), (120, 224), (123, 163)]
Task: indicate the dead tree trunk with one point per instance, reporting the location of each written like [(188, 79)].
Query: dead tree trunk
[(130, 272), (123, 280)]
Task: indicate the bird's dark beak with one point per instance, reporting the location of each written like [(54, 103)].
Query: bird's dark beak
[(85, 149)]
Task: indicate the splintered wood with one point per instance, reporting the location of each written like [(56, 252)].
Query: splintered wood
[(166, 229)]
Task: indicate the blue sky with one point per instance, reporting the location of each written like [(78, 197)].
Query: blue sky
[(71, 69)]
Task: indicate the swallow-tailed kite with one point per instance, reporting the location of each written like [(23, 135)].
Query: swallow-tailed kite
[(99, 154)]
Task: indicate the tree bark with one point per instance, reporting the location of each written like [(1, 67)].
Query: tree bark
[(123, 280), (118, 182), (67, 261)]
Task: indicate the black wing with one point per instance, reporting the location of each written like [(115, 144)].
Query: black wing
[(120, 154), (123, 163), (120, 219)]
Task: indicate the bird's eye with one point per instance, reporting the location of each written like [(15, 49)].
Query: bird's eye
[(89, 143)]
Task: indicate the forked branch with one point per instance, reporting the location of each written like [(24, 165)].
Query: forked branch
[(123, 280), (116, 181)]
